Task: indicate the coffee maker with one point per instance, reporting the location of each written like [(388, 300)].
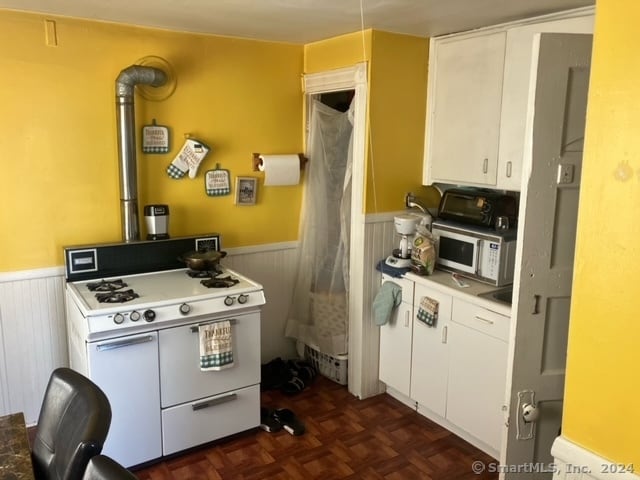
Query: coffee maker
[(157, 219), (405, 226)]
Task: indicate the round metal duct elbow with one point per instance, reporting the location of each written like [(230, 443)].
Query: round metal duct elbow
[(125, 117)]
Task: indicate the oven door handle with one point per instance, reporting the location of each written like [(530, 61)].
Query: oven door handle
[(196, 328), (124, 343), (214, 401)]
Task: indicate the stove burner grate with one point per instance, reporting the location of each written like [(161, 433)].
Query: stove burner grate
[(106, 285), (224, 282), (204, 273), (116, 297)]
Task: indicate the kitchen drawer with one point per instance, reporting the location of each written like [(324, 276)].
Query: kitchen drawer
[(181, 379), (481, 319), (194, 423)]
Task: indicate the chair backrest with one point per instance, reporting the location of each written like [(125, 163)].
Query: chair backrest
[(102, 467), (72, 427)]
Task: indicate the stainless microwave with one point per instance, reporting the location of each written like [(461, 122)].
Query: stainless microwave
[(480, 253)]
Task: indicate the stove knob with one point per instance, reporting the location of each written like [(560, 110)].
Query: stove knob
[(243, 298), (229, 301), (149, 315), (184, 309), (134, 316), (118, 318)]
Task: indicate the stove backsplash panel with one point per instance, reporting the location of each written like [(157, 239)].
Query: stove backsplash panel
[(89, 262)]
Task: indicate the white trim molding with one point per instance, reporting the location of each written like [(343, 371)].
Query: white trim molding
[(573, 462), (31, 274), (353, 77)]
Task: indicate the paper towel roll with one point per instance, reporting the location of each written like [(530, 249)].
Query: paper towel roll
[(280, 169)]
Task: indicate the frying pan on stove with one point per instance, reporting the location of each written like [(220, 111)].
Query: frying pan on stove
[(202, 260)]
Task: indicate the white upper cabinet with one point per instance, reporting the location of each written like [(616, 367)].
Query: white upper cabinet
[(464, 111), (477, 101)]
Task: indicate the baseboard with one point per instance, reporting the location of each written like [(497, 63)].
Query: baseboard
[(573, 462), (443, 422)]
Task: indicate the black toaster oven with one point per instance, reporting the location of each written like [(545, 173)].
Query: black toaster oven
[(475, 206)]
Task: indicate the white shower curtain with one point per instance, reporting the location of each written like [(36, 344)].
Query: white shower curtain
[(319, 311)]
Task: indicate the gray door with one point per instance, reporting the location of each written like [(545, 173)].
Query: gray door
[(544, 271)]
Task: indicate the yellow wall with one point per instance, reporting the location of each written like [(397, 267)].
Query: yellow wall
[(337, 52), (398, 90), (602, 388), (59, 184), (396, 108)]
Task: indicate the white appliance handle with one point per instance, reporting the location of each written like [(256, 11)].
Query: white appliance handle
[(123, 343)]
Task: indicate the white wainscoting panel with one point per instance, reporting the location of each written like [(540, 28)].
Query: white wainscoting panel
[(573, 462), (380, 240), (32, 337), (273, 266)]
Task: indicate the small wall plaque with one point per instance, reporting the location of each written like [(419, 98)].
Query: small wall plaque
[(216, 182), (155, 138)]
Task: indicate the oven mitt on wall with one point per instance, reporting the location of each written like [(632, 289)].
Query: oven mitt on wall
[(188, 159)]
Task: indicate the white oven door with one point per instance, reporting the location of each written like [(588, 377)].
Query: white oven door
[(125, 369), (181, 379), (458, 251)]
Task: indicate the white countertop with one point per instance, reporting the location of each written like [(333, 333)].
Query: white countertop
[(443, 282)]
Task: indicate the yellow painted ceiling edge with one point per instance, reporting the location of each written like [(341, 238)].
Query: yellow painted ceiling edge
[(602, 388)]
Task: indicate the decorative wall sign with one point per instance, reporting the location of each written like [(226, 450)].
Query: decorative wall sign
[(155, 138), (217, 182), (246, 190)]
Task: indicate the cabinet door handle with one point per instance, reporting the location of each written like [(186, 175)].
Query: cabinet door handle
[(213, 402), (508, 169), (123, 343), (444, 333), (485, 165), (196, 328), (485, 320), (406, 318)]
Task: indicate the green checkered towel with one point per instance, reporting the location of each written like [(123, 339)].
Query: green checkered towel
[(428, 311), (216, 346)]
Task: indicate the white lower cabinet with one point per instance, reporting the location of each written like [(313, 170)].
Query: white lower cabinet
[(455, 370), (430, 358), (395, 342), (477, 371)]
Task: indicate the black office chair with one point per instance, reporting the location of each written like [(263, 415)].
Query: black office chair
[(102, 467), (72, 427)]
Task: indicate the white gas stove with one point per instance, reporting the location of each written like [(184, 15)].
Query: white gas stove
[(160, 300), (134, 316)]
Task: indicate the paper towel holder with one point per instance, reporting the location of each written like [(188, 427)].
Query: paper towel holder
[(257, 161)]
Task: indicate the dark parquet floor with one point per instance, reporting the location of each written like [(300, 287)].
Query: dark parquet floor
[(346, 438)]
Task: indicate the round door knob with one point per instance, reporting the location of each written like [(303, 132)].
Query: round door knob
[(149, 315), (134, 316), (118, 318), (229, 301), (243, 298), (185, 308)]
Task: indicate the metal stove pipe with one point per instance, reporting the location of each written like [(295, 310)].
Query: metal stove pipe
[(125, 117)]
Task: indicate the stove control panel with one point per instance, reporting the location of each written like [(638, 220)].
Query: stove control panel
[(157, 316)]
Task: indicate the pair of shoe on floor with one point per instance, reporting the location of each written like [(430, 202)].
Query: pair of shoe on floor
[(280, 418), (290, 376)]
